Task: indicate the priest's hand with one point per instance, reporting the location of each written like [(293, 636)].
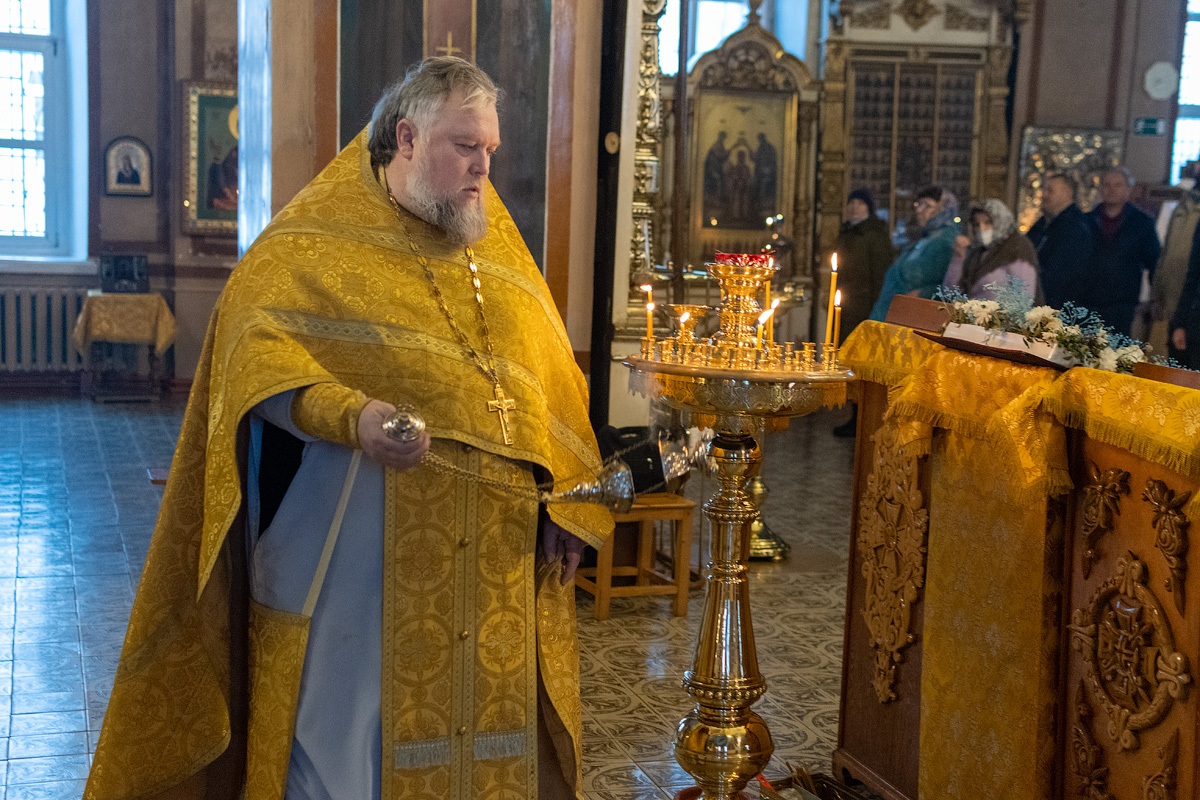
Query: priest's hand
[(383, 448), (558, 544)]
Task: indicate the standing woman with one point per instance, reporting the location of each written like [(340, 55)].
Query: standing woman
[(996, 252), (864, 251)]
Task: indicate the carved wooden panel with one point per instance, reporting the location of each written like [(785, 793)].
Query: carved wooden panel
[(878, 741), (892, 523), (1130, 640)]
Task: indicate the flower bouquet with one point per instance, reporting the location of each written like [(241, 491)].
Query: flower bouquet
[(1066, 337)]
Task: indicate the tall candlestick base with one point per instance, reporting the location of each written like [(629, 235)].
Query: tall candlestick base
[(765, 544), (722, 743)]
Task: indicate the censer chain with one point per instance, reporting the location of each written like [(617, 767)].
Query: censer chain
[(538, 492)]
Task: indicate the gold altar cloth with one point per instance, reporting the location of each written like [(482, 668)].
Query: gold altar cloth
[(987, 684), (1155, 421), (332, 292), (125, 319)]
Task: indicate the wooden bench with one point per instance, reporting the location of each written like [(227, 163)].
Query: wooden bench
[(647, 510)]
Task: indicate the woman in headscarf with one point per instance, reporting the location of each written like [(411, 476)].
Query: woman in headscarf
[(995, 251)]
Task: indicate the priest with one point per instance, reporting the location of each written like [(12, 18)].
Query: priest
[(326, 612)]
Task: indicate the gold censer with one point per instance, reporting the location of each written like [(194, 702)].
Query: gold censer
[(732, 382)]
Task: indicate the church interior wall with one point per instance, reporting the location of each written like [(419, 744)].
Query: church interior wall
[(1085, 68)]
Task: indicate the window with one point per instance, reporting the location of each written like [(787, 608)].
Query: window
[(1187, 125), (35, 176), (711, 22)]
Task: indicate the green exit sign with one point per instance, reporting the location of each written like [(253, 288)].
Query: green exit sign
[(1149, 126)]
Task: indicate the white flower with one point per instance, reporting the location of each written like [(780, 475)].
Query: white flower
[(1049, 337), (984, 310), (1107, 360), (1054, 323), (1102, 337), (1071, 331), (1131, 353), (1040, 315)]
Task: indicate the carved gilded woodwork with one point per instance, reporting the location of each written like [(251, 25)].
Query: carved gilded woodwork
[(750, 66), (892, 525), (872, 16), (1170, 533), (1101, 507), (1134, 672), (1086, 755), (917, 13), (646, 166), (1161, 785), (960, 19)]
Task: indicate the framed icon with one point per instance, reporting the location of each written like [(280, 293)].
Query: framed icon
[(127, 168), (211, 172)]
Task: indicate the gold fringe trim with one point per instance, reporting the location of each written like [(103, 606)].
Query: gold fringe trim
[(938, 419), (877, 373), (1123, 437)]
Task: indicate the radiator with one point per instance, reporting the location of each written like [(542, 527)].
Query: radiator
[(36, 324)]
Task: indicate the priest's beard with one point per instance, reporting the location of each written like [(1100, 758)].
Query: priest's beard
[(463, 222)]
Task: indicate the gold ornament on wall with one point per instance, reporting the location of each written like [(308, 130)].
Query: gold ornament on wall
[(960, 19), (892, 523), (645, 159), (874, 16), (1086, 754), (917, 13), (1161, 785), (1170, 533), (1134, 671), (1101, 506)]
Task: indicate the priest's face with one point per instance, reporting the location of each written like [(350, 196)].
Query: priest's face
[(452, 155)]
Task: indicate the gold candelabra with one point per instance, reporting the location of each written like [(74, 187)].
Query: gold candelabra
[(731, 382)]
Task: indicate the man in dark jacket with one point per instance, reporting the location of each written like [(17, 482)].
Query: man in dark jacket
[(1063, 239), (1185, 322), (1126, 244), (864, 251)]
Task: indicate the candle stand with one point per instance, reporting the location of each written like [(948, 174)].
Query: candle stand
[(732, 383)]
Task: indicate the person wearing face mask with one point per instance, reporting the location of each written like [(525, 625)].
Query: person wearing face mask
[(921, 267), (995, 251)]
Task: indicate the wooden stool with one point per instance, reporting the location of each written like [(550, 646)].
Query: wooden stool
[(647, 509)]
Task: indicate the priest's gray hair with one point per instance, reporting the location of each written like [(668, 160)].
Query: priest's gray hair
[(419, 95)]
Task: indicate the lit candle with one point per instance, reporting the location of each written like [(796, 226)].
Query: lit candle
[(684, 317), (771, 327), (649, 290), (837, 317), (832, 289), (762, 320), (649, 320)]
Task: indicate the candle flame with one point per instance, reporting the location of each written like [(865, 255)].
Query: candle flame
[(684, 317), (775, 302), (649, 306), (645, 287), (766, 315), (835, 262), (837, 298)]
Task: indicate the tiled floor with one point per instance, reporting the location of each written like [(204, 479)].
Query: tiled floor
[(76, 513)]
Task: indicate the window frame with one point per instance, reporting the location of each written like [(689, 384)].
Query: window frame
[(55, 142)]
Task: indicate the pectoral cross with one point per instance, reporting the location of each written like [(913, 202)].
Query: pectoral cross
[(502, 405), (448, 50)]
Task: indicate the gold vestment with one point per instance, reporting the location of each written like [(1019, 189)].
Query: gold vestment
[(331, 292)]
